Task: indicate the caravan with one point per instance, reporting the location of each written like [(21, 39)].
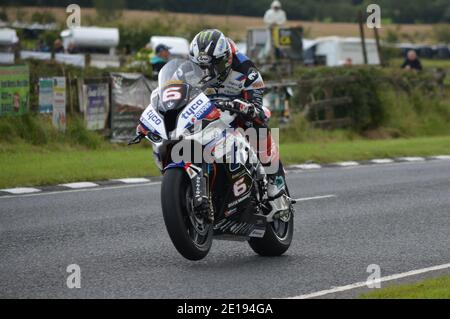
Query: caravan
[(336, 51), (8, 43)]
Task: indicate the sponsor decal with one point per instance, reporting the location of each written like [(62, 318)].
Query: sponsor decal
[(252, 76), (198, 108), (204, 59), (153, 117)]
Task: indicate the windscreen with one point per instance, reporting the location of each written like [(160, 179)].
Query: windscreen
[(179, 71)]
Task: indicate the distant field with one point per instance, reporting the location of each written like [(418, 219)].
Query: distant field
[(237, 25)]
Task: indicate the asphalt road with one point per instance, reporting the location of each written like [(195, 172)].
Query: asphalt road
[(396, 216)]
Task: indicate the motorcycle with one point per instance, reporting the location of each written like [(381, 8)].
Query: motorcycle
[(224, 197)]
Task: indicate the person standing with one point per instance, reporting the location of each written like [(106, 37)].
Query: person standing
[(273, 18), (412, 62), (161, 57)]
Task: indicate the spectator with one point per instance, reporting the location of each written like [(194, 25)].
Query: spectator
[(412, 62), (275, 16), (159, 60), (57, 46), (42, 47), (72, 48)]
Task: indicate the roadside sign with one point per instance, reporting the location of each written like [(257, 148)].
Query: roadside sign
[(46, 95), (59, 103), (14, 89), (96, 105)]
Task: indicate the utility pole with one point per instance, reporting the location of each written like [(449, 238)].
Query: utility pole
[(363, 40), (377, 39)]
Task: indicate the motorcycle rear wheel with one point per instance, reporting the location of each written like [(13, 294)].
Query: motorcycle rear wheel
[(191, 235), (277, 239)]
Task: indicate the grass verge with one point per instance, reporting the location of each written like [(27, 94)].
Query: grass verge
[(438, 288), (27, 165)]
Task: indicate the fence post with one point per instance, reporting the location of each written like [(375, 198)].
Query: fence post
[(361, 31)]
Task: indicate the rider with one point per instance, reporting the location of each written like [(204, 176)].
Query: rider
[(233, 76)]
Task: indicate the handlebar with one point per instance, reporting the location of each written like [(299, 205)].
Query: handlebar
[(228, 106), (136, 140)]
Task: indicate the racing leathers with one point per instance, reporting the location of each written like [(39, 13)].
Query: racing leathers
[(244, 86)]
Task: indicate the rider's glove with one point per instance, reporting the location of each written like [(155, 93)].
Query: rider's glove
[(140, 130), (245, 107)]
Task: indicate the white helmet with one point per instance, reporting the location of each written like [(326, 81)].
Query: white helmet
[(212, 51)]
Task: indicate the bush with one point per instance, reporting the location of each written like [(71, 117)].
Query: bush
[(401, 103), (43, 17)]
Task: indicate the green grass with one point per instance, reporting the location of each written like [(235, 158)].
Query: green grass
[(364, 149), (438, 288), (426, 63), (26, 165)]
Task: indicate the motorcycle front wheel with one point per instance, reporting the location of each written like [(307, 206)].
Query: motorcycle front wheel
[(191, 234)]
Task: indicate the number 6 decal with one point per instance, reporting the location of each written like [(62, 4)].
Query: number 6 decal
[(239, 187), (172, 94)]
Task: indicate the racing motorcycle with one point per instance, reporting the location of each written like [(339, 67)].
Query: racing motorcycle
[(210, 199)]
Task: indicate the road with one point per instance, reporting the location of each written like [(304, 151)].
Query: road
[(395, 215)]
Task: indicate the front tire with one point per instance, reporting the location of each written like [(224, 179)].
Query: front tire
[(191, 236)]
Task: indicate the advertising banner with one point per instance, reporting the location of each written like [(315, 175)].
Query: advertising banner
[(46, 95), (59, 103), (14, 89), (130, 95), (96, 105)]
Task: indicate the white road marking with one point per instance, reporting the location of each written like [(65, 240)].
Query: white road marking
[(22, 190), (306, 166), (306, 199), (373, 282), (347, 164), (132, 180), (80, 185), (81, 190), (441, 157), (412, 159), (382, 161)]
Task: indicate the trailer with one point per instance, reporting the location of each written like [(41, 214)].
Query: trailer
[(99, 43), (8, 42)]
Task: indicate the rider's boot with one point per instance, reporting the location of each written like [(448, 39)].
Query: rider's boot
[(277, 192)]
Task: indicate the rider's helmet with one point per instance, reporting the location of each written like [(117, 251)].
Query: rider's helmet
[(212, 51)]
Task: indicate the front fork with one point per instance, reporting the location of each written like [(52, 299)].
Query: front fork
[(199, 177)]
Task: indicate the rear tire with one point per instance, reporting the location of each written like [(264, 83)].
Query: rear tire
[(276, 240), (273, 245), (191, 239)]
